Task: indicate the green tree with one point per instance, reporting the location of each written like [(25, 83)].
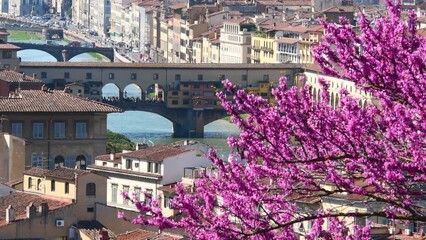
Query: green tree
[(118, 142)]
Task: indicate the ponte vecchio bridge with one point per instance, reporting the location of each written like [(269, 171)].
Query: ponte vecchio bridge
[(183, 93)]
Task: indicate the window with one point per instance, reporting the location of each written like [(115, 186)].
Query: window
[(177, 77), (66, 75), (43, 75), (266, 77), (90, 209), (39, 184), (137, 193), (36, 160), (128, 164), (67, 187), (200, 77), (155, 76), (90, 189), (175, 93), (136, 165), (157, 168), (59, 129), (104, 163), (59, 161), (185, 93), (52, 185), (7, 54), (174, 102), (88, 75), (149, 166), (133, 76), (125, 190), (111, 76), (167, 201), (30, 182), (115, 164), (244, 77), (17, 129), (80, 162), (148, 195), (114, 188), (81, 130), (185, 101), (38, 130)]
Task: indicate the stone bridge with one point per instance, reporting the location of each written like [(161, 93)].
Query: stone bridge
[(186, 121), (64, 53)]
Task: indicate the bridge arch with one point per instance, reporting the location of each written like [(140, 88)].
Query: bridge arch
[(111, 92), (23, 54), (133, 92), (155, 92), (95, 55)]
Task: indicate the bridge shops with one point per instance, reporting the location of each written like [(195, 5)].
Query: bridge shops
[(182, 93)]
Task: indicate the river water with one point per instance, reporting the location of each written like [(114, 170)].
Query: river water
[(143, 126)]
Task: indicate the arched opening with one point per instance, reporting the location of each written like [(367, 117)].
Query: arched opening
[(314, 94), (110, 93), (364, 104), (39, 186), (59, 161), (30, 183), (80, 162), (33, 55), (332, 100), (132, 93), (89, 57), (337, 100), (140, 124), (155, 93)]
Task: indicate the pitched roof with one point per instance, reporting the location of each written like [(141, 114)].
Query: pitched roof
[(65, 173), (157, 153), (139, 234), (20, 200), (340, 9), (60, 172), (36, 172), (13, 76), (179, 6), (107, 157), (52, 101), (9, 46), (421, 32)]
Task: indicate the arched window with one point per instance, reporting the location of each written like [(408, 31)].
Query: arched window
[(67, 187), (39, 184), (52, 185), (30, 182), (80, 162), (59, 161), (90, 189)]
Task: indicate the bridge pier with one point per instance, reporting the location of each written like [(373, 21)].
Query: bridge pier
[(190, 126), (64, 55)]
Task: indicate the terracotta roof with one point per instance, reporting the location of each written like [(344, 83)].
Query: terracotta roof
[(298, 3), (421, 32), (20, 200), (65, 173), (94, 229), (239, 20), (13, 76), (178, 6), (107, 157), (9, 46), (15, 182), (340, 9), (421, 19), (169, 188), (139, 234), (124, 171), (36, 171), (287, 40), (157, 153), (52, 101)]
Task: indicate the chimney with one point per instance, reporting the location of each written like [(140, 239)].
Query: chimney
[(34, 75), (43, 209), (103, 234), (44, 87), (10, 214), (31, 210), (141, 146), (111, 156)]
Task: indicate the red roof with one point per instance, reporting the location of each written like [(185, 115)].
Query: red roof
[(13, 76), (20, 200), (157, 153), (178, 6), (9, 46), (287, 40), (52, 101)]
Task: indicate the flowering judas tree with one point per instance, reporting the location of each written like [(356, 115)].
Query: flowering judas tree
[(299, 150)]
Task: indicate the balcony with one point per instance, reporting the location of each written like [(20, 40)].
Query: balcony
[(255, 48), (267, 49)]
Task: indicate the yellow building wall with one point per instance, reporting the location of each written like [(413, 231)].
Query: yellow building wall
[(60, 188), (34, 188)]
